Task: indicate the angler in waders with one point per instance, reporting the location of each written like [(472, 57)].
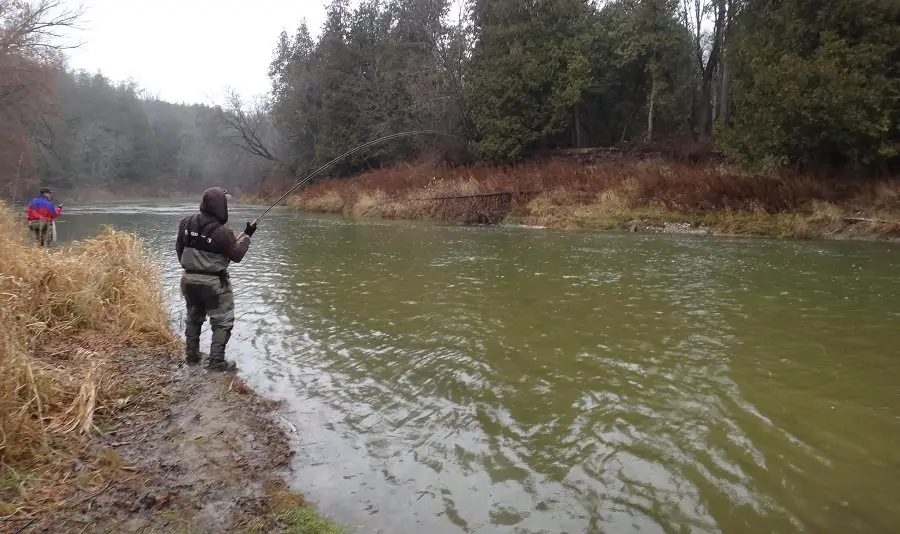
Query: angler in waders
[(205, 248), (41, 213)]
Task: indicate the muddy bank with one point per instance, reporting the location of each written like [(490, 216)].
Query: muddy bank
[(190, 451), (99, 436)]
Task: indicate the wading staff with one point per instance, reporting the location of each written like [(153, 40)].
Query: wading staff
[(339, 158)]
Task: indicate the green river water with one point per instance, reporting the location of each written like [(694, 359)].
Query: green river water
[(512, 380)]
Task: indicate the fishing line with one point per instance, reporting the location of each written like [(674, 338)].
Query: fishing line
[(344, 155), (313, 174)]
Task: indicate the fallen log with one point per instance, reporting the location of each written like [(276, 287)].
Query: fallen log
[(864, 219), (481, 195)]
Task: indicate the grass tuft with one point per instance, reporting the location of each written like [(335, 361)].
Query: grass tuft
[(299, 519), (63, 312), (305, 520)]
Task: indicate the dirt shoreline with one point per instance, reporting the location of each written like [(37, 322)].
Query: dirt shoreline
[(102, 427), (192, 451), (684, 226)]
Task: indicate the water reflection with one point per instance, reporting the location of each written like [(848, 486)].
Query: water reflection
[(511, 380)]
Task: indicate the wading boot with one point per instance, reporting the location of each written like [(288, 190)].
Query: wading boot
[(216, 360), (221, 366), (192, 355)]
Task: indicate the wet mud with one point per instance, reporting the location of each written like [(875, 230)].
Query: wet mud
[(197, 452)]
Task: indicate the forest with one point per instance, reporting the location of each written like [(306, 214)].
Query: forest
[(82, 133), (807, 85), (810, 84)]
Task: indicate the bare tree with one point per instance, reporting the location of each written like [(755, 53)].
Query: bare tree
[(37, 31), (707, 21), (247, 126), (32, 42), (33, 38)]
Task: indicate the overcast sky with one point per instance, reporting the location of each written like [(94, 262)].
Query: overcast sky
[(188, 50)]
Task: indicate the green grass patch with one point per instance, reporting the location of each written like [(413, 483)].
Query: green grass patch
[(307, 521), (298, 520)]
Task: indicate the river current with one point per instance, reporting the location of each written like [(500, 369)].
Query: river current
[(447, 379)]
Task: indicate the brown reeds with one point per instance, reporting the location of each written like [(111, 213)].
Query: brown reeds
[(615, 195), (63, 313)]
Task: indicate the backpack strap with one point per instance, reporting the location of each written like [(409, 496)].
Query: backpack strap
[(200, 238)]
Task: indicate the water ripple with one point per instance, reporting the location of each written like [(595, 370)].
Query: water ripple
[(503, 380)]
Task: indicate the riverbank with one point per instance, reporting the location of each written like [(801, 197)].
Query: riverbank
[(635, 196), (157, 191), (103, 428), (162, 190)]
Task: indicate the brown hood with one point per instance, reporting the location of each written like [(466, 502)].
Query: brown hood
[(215, 203)]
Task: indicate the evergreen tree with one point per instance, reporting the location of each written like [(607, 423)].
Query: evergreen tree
[(531, 64), (816, 83)]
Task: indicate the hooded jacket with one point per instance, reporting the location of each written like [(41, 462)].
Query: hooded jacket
[(204, 243)]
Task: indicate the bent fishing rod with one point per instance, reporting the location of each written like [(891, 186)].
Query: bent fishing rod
[(342, 156)]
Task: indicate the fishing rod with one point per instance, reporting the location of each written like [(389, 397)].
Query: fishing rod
[(342, 156)]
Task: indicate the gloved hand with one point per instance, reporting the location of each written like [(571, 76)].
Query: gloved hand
[(248, 231), (60, 204)]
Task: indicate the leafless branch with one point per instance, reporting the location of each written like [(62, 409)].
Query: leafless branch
[(244, 124), (37, 30)]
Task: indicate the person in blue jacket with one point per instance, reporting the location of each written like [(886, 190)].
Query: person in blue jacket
[(41, 213)]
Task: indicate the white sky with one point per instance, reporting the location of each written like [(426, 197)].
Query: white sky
[(188, 50)]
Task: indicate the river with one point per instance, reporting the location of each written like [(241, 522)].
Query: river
[(447, 379)]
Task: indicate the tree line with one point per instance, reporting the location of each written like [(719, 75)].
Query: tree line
[(111, 135), (74, 130), (809, 83)]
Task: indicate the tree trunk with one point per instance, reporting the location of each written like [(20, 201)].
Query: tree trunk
[(577, 128), (704, 107), (16, 179), (714, 99), (652, 106), (724, 113)]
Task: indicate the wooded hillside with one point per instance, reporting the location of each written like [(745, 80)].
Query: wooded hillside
[(808, 84)]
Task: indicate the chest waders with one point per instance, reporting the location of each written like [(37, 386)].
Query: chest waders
[(206, 293)]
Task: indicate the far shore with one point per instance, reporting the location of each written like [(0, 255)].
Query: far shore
[(641, 196), (654, 197)]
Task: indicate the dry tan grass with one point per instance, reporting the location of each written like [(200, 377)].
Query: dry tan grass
[(615, 194), (55, 306), (328, 202), (371, 204)]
